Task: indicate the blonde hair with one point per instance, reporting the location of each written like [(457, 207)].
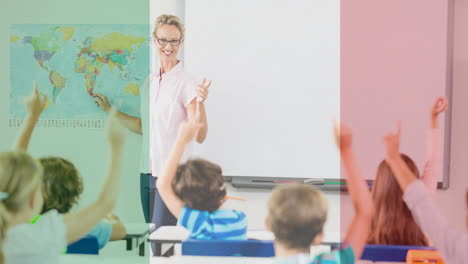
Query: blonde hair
[(297, 214), (3, 228), (169, 20), (20, 176)]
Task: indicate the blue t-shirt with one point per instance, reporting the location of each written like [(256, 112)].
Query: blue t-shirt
[(344, 255), (221, 224), (102, 231)]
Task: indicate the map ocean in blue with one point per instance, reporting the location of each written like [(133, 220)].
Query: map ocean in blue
[(74, 102)]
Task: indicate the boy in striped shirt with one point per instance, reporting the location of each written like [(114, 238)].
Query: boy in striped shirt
[(194, 192)]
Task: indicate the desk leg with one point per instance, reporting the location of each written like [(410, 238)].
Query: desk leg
[(158, 249), (169, 252), (129, 244), (142, 249)]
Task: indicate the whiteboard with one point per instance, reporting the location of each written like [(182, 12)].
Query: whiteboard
[(283, 69), (276, 72)]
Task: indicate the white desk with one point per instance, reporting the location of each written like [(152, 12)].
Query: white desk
[(137, 232), (168, 235)]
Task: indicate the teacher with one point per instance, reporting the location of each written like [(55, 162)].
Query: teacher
[(175, 97), (171, 97)]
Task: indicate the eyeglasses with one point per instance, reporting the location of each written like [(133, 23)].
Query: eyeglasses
[(174, 42)]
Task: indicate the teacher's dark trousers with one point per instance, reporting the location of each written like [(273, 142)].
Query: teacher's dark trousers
[(154, 209)]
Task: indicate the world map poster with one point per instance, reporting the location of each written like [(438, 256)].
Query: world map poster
[(71, 63)]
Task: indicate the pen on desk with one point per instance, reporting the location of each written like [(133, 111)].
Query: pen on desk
[(235, 198)]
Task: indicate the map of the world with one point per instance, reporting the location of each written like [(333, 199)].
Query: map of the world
[(71, 63)]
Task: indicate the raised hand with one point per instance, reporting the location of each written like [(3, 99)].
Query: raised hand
[(36, 103), (202, 90), (440, 106), (392, 143), (116, 134), (112, 218), (102, 101), (343, 136)]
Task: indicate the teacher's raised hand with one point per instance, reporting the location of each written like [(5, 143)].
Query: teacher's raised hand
[(202, 90)]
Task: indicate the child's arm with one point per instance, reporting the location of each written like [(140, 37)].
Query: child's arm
[(452, 243), (80, 223), (403, 174), (193, 108), (358, 231), (187, 133), (118, 231), (433, 152), (118, 228), (35, 105)]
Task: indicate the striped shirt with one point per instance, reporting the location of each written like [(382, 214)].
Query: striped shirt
[(221, 224), (344, 255)]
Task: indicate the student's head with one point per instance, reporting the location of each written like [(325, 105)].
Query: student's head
[(393, 223), (296, 216), (200, 185), (168, 36), (62, 184), (20, 188)]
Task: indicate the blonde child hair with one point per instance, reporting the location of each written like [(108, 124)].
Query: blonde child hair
[(20, 178), (297, 214)]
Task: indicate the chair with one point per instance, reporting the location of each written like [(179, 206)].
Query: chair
[(388, 253), (87, 245), (225, 248)]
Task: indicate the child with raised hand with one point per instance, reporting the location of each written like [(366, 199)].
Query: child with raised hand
[(195, 191), (35, 105), (298, 212), (21, 200), (61, 184), (433, 152), (393, 223), (62, 187), (451, 243)]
